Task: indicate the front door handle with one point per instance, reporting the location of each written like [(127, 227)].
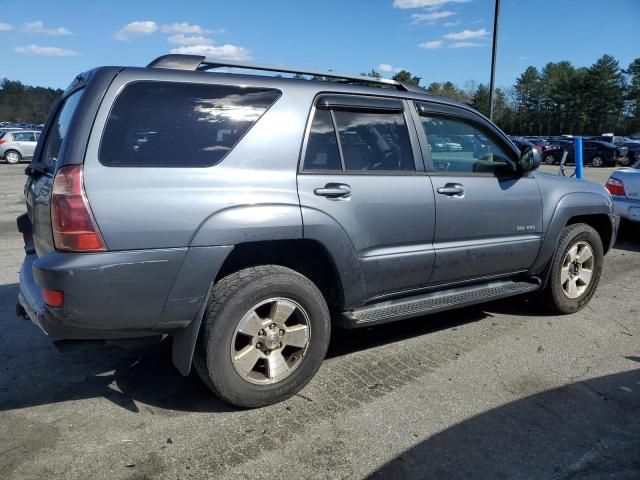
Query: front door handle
[(452, 190), (334, 190)]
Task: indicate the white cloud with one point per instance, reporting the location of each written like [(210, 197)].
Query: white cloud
[(5, 27), (181, 39), (429, 17), (225, 52), (46, 51), (183, 27), (38, 27), (386, 68), (431, 45), (451, 24), (465, 45), (467, 34), (424, 3), (136, 29)]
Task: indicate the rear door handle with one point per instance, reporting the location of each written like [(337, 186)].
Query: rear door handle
[(334, 190), (452, 190)]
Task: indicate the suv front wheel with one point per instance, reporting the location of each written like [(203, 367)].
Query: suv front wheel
[(265, 333), (575, 269)]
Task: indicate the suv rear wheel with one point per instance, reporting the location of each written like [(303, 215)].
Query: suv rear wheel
[(576, 269), (265, 333)]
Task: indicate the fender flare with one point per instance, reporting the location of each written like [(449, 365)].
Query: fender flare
[(576, 204)]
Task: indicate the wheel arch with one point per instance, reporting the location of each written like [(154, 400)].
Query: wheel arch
[(308, 257), (579, 207)]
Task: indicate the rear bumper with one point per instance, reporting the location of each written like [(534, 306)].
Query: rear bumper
[(623, 208), (118, 294)]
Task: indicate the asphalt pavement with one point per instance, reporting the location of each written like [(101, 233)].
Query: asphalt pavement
[(502, 390)]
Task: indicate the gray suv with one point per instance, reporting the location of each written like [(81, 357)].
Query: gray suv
[(245, 215), (18, 145)]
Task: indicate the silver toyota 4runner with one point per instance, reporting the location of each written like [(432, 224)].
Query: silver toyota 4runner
[(234, 212)]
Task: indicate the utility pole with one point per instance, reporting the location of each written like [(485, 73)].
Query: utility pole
[(492, 86)]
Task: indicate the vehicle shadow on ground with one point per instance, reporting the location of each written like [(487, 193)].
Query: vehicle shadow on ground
[(628, 237), (585, 430), (36, 373)]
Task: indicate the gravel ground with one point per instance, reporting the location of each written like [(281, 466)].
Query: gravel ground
[(495, 391)]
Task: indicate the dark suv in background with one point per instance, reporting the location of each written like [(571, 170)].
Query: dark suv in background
[(234, 212)]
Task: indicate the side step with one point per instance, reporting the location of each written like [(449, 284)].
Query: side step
[(415, 306)]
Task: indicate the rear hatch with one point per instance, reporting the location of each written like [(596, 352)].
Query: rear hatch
[(41, 172)]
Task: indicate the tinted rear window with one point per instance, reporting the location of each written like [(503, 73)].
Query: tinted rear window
[(167, 124), (58, 131)]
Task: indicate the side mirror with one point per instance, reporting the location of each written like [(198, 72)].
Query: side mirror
[(530, 159)]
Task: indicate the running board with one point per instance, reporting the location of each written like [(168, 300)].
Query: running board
[(418, 305)]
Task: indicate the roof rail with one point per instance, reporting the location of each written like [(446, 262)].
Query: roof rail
[(198, 62)]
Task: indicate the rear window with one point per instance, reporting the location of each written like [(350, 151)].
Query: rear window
[(58, 131), (167, 124)]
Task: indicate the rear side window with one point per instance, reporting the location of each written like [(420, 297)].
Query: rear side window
[(24, 137), (168, 124), (58, 131), (367, 141), (322, 146), (374, 141)]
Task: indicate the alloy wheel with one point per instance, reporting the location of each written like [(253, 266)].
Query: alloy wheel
[(270, 341), (12, 157), (577, 270)]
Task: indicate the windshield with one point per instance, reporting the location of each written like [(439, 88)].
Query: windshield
[(57, 132)]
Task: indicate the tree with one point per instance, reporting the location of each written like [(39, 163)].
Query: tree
[(23, 103), (480, 99), (373, 74), (605, 83), (448, 90), (632, 97), (406, 77), (528, 99)]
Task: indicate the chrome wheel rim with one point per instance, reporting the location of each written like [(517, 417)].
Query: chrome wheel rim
[(270, 341), (12, 157), (577, 270), (596, 162), (549, 159)]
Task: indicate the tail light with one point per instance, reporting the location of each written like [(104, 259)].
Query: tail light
[(53, 298), (74, 228), (615, 187), (2, 141)]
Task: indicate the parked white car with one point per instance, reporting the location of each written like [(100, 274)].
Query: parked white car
[(18, 145)]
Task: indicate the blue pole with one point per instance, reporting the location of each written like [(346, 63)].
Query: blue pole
[(578, 150)]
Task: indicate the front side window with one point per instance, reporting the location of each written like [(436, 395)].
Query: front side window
[(459, 145), (169, 124), (369, 141)]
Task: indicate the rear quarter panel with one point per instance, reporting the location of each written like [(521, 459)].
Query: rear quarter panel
[(251, 195)]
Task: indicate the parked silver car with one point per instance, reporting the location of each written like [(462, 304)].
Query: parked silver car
[(18, 145), (624, 186)]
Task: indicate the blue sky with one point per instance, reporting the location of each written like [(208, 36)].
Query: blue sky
[(51, 41)]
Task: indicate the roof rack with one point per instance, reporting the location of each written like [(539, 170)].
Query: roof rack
[(202, 63)]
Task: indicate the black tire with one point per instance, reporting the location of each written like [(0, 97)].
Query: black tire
[(12, 157), (571, 235), (231, 298), (550, 159)]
